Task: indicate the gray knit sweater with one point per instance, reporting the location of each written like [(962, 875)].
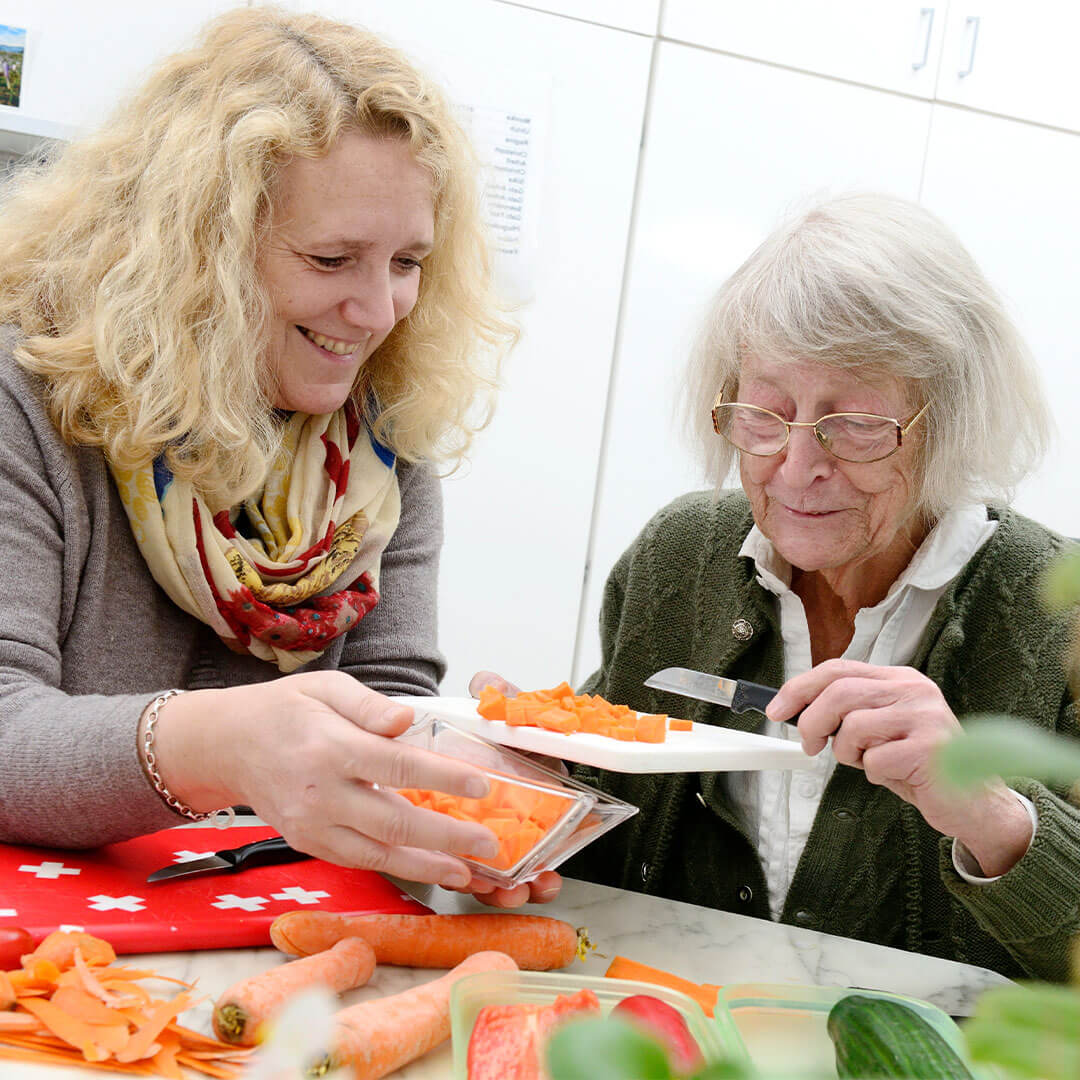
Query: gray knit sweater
[(87, 637), (872, 868)]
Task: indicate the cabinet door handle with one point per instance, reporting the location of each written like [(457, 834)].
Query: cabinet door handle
[(926, 22), (971, 29)]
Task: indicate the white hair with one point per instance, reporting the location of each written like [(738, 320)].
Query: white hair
[(878, 283)]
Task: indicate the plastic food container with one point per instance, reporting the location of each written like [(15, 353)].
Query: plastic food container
[(783, 1026), (717, 1037), (540, 817)]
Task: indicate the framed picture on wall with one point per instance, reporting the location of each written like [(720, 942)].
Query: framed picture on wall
[(12, 48)]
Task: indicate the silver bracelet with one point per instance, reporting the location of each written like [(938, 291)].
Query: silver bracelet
[(221, 819)]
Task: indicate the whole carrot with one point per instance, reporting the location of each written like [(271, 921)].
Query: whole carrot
[(378, 1036), (535, 942), (246, 1005)]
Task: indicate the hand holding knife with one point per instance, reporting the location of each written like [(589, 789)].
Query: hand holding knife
[(258, 853), (737, 694)]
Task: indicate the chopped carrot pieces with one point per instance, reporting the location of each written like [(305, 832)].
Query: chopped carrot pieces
[(556, 719), (492, 704), (674, 724), (519, 814), (517, 713), (560, 709), (650, 728)]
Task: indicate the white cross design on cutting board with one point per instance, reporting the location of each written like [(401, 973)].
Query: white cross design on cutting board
[(299, 895), (245, 903), (116, 903), (5, 911), (49, 869), (71, 928), (190, 856)]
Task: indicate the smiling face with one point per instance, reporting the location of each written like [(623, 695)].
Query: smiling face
[(823, 514), (342, 264)]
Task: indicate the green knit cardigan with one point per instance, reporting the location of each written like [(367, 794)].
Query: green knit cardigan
[(872, 868)]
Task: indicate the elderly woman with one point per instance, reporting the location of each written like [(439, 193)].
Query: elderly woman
[(244, 321), (880, 407)]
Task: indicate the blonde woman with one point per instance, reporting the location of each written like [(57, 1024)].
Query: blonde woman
[(244, 321), (863, 377)]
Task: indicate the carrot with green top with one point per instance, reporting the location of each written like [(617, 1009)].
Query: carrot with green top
[(376, 1037), (534, 942), (241, 1011)]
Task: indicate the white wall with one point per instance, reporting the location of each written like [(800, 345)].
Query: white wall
[(668, 137)]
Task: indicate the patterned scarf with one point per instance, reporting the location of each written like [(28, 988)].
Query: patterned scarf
[(291, 569)]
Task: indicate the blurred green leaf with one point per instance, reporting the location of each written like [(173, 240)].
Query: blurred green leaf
[(1061, 584), (1025, 1052), (999, 746), (728, 1070), (596, 1049), (1040, 1005), (1033, 1030)]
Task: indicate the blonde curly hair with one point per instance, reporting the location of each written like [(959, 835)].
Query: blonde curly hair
[(129, 262)]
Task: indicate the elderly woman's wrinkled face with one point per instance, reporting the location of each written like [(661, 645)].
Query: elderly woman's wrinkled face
[(819, 512), (342, 264)]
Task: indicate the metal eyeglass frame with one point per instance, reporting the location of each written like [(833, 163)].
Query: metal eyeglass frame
[(901, 429)]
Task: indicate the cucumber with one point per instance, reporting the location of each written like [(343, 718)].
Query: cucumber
[(876, 1037)]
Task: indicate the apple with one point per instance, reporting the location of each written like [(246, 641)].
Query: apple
[(14, 943), (665, 1023)]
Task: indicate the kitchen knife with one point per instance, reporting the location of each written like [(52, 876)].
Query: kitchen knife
[(259, 853), (737, 694)]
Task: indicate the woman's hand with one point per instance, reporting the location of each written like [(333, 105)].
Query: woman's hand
[(496, 682), (889, 721), (306, 753), (541, 890)]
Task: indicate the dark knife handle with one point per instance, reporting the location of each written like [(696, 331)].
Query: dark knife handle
[(262, 853), (752, 695)]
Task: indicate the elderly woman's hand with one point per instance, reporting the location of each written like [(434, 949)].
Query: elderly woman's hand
[(312, 754), (541, 890), (888, 721)]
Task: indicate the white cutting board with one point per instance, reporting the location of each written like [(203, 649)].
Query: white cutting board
[(702, 749)]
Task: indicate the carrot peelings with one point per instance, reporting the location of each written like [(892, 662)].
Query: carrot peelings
[(246, 1005), (376, 1037), (534, 942), (73, 1006)]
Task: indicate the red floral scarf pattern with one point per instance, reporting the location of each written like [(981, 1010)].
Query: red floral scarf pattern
[(291, 569)]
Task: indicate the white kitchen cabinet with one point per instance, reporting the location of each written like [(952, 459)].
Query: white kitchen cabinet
[(1009, 191), (1015, 59), (730, 144), (518, 519), (637, 15), (81, 59), (891, 44)]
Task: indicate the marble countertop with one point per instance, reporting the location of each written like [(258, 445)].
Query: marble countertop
[(697, 943)]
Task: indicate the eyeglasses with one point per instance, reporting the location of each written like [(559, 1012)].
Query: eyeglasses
[(849, 436)]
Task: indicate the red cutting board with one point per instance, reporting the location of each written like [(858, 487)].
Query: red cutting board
[(105, 892)]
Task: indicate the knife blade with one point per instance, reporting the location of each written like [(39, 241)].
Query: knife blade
[(737, 694), (258, 853)]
